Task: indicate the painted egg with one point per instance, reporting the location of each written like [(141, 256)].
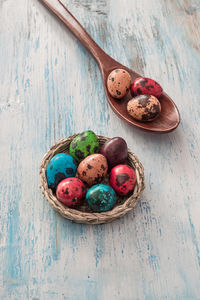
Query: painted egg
[(61, 166), (122, 179), (93, 169), (71, 191), (115, 150), (145, 86), (144, 108), (118, 83), (84, 144), (101, 197)]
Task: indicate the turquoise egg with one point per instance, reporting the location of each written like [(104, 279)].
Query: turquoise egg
[(101, 197), (61, 166)]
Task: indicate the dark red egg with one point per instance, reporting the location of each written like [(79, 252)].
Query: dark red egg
[(122, 179), (145, 86), (71, 191), (115, 150)]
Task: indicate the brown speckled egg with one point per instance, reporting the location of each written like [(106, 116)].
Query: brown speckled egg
[(118, 83), (92, 169), (144, 107)]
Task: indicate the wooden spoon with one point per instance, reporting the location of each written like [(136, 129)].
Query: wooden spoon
[(168, 119)]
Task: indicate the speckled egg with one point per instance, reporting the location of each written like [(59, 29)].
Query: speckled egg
[(118, 83), (71, 191), (115, 150), (146, 86), (144, 108), (93, 169), (101, 197), (84, 144), (122, 179), (61, 166)]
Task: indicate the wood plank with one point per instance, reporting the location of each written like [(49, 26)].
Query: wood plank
[(51, 88)]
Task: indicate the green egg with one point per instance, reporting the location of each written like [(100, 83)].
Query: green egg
[(84, 144)]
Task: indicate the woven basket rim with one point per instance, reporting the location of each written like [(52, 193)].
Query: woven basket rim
[(90, 217)]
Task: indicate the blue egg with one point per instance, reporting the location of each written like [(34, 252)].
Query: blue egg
[(101, 197), (61, 166)]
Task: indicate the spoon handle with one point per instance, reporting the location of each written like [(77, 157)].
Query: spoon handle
[(58, 8)]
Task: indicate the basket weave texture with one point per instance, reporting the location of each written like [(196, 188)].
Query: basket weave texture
[(83, 214)]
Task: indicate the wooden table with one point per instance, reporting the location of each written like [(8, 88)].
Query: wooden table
[(51, 88)]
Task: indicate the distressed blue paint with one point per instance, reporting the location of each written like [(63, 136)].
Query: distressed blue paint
[(100, 243), (193, 232), (37, 43)]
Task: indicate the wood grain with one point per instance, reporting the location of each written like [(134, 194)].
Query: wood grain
[(51, 88)]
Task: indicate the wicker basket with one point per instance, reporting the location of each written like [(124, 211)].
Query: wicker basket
[(83, 214)]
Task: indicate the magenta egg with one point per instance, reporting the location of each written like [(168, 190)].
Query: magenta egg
[(146, 86), (115, 150), (71, 191), (122, 179)]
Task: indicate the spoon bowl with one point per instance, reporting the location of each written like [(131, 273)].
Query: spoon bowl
[(168, 119)]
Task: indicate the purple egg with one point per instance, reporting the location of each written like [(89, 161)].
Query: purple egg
[(115, 150)]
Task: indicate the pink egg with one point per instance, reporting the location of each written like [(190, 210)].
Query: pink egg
[(122, 179), (71, 191), (146, 86)]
